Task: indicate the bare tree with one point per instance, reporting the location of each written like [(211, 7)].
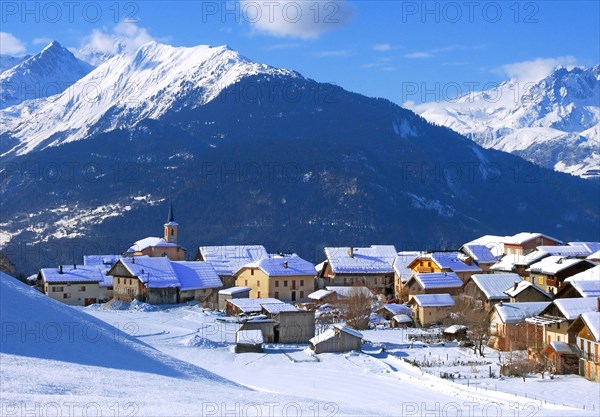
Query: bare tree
[(477, 321), (358, 308)]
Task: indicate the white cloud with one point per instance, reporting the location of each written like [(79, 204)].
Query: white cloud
[(296, 19), (41, 41), (382, 47), (334, 53), (418, 55), (124, 37), (535, 69), (10, 45)]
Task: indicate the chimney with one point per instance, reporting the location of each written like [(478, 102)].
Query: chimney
[(515, 285), (285, 264), (500, 303), (598, 304), (351, 252), (74, 266), (133, 259), (60, 271)]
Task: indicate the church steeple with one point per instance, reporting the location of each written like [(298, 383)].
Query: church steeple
[(171, 226)]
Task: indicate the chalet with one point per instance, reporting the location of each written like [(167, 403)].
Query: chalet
[(349, 266), (494, 243), (526, 242), (162, 281), (550, 272), (455, 332), (285, 277), (431, 308), (161, 247), (73, 285), (337, 339), (232, 292), (398, 315), (228, 260), (587, 330), (248, 341), (434, 283), (104, 262), (323, 296), (480, 254), (585, 284), (402, 272), (488, 289), (558, 316), (444, 262), (248, 306), (291, 324), (525, 291), (518, 263), (510, 331)]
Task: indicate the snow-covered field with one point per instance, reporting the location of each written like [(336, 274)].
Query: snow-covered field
[(179, 361)]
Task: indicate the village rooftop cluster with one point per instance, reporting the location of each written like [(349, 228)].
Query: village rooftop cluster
[(527, 292)]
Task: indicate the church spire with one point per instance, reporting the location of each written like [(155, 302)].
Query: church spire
[(171, 226), (171, 217)]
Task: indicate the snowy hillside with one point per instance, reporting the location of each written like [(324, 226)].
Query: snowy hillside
[(45, 74), (554, 122), (127, 89), (177, 361), (9, 61)]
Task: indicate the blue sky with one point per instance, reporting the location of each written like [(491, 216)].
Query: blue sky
[(377, 48)]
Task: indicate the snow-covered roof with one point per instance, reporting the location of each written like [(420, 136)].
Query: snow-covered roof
[(252, 305), (480, 253), (450, 261), (554, 264), (518, 312), (286, 265), (595, 255), (345, 292), (401, 262), (571, 308), (150, 242), (433, 300), (101, 260), (437, 280), (376, 259), (333, 332), (402, 318), (586, 283), (592, 321), (235, 290), (196, 275), (249, 337), (154, 272), (319, 267), (592, 247), (493, 242), (522, 286), (319, 294), (227, 260), (494, 286), (455, 328), (73, 273), (276, 308), (561, 347), (565, 250), (523, 237), (398, 309)]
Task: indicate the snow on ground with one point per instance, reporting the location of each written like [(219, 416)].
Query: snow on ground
[(179, 360), (379, 380)]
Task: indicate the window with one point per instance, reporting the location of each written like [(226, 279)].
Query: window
[(302, 283), (276, 283), (257, 283), (540, 280), (276, 294), (118, 280), (66, 295), (57, 289), (252, 272), (246, 283), (258, 295), (285, 283), (81, 289), (172, 232), (301, 294)]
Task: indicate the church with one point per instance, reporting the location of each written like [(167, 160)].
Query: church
[(166, 246)]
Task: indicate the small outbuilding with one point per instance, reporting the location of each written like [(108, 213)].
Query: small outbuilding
[(455, 332), (248, 341), (337, 339), (232, 292)]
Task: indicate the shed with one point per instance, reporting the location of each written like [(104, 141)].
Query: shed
[(337, 339), (265, 326), (455, 332), (248, 341), (232, 292)]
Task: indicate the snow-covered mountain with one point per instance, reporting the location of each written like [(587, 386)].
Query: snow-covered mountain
[(127, 89), (9, 61), (37, 77), (553, 123)]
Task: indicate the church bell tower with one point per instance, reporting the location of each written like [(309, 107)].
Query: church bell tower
[(171, 226)]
